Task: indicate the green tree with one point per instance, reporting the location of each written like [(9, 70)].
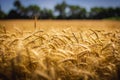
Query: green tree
[(33, 10), (46, 14), (98, 13), (19, 11), (77, 12), (18, 5), (61, 9), (2, 14), (23, 12)]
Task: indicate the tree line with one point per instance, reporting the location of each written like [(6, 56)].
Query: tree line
[(65, 11)]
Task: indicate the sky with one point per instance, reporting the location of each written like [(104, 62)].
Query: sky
[(6, 5)]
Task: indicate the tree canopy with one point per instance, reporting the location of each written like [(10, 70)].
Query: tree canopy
[(74, 12)]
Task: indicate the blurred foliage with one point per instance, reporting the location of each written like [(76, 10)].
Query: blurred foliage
[(100, 13), (33, 10), (74, 12), (2, 14), (77, 12), (61, 9)]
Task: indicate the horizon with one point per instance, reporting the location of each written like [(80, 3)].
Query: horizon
[(50, 4)]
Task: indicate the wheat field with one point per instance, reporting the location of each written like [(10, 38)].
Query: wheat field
[(59, 50)]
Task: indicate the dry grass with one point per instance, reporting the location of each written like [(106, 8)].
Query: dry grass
[(65, 54)]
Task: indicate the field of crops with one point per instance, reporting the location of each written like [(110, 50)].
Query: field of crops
[(59, 50)]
